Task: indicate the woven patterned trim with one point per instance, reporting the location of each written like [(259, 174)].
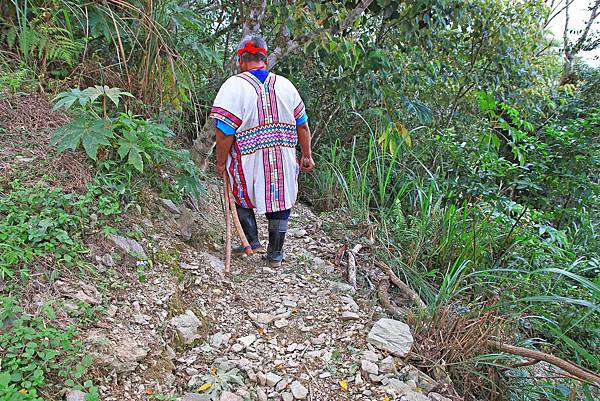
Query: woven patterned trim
[(219, 113), (267, 136)]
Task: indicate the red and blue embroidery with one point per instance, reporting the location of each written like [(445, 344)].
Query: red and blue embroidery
[(227, 117), (299, 110)]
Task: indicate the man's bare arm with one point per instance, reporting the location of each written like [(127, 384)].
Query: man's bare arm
[(224, 143), (306, 163)]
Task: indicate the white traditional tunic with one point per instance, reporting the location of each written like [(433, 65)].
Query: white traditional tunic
[(262, 165)]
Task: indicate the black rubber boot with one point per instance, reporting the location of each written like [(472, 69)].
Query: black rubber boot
[(277, 230), (248, 223)]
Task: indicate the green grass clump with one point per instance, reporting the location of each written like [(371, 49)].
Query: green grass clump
[(39, 359), (35, 222)]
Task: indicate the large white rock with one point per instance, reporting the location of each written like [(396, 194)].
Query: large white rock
[(187, 326), (391, 336)]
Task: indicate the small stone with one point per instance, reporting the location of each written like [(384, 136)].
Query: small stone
[(342, 287), (399, 386), (191, 371), (140, 318), (170, 206), (289, 304), (369, 367), (298, 390), (75, 395), (264, 318), (287, 396), (107, 260), (186, 224), (261, 379), (370, 356), (281, 323), (282, 385), (319, 340), (391, 336), (415, 396), (195, 397), (375, 378), (262, 396), (187, 326), (170, 353), (128, 245), (437, 397), (237, 347), (217, 264), (387, 365), (112, 310), (358, 380), (297, 232), (272, 379), (80, 291), (348, 315), (228, 396), (219, 339), (247, 340), (325, 375)]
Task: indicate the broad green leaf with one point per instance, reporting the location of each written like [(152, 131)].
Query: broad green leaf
[(114, 94), (92, 132)]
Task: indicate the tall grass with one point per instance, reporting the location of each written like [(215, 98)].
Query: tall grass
[(477, 257)]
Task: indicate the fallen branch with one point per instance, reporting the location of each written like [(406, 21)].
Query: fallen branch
[(413, 296), (384, 297), (340, 254), (352, 264), (579, 372), (528, 362)]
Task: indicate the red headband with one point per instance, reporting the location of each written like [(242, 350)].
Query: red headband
[(249, 48)]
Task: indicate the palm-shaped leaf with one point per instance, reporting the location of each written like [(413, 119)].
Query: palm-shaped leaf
[(91, 132)]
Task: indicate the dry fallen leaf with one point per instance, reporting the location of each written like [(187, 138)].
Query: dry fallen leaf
[(344, 384), (386, 398), (149, 391), (213, 371), (23, 391), (204, 387)]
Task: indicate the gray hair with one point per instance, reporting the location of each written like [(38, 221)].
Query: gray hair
[(257, 41)]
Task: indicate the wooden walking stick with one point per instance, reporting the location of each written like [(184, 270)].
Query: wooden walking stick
[(230, 204), (227, 225)]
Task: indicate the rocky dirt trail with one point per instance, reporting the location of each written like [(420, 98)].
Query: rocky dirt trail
[(186, 331)]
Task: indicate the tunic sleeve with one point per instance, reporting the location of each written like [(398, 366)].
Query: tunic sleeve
[(228, 106), (299, 109)]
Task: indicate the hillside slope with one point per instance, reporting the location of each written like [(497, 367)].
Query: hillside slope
[(150, 310)]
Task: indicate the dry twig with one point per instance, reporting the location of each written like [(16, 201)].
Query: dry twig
[(384, 298), (413, 296)]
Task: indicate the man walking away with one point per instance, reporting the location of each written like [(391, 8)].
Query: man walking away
[(260, 118)]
